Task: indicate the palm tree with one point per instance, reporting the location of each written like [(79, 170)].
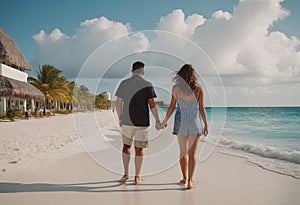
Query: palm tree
[(84, 97), (54, 86), (62, 94), (101, 102), (71, 93)]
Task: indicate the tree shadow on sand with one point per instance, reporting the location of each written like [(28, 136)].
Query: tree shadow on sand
[(104, 186)]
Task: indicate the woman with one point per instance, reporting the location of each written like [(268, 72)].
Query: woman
[(188, 94)]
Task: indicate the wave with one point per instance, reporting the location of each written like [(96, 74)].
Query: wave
[(263, 150)]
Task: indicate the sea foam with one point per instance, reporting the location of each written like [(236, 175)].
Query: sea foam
[(263, 150)]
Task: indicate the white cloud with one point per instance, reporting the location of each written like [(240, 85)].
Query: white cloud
[(241, 44), (69, 52), (54, 36), (221, 15), (263, 95), (237, 43), (177, 23)]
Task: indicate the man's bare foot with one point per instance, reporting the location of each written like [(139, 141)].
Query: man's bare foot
[(190, 185), (182, 182), (138, 180), (124, 178)]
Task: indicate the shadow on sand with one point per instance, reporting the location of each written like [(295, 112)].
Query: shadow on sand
[(104, 186)]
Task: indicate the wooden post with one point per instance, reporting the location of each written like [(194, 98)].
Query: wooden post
[(32, 106)]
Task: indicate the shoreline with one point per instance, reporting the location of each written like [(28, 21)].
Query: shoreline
[(258, 165)]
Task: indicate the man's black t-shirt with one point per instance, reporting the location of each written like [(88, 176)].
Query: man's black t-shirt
[(135, 92)]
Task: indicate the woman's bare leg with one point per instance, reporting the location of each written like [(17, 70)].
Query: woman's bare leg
[(182, 142), (193, 145)]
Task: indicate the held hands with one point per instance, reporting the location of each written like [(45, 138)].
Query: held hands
[(159, 125), (163, 124)]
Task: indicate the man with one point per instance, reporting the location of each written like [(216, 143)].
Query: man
[(134, 96)]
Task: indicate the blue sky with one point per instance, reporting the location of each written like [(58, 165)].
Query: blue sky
[(256, 49), (21, 19)]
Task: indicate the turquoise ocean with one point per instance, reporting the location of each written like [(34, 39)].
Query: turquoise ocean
[(268, 137)]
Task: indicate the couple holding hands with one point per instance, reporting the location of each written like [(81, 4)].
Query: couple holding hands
[(134, 97)]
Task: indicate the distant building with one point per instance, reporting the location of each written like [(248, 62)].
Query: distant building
[(15, 92), (106, 95), (103, 101), (161, 103)]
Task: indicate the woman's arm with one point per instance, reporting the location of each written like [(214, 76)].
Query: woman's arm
[(203, 111), (171, 107)]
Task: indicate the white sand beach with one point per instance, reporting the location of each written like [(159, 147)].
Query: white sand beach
[(43, 162)]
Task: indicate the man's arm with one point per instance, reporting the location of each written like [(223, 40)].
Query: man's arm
[(119, 109), (154, 111)]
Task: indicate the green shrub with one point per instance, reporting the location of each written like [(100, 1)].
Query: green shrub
[(62, 111)]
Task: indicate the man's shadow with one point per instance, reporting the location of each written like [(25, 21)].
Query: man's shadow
[(103, 186)]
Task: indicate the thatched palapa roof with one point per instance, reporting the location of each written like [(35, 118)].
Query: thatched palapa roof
[(10, 54), (14, 88)]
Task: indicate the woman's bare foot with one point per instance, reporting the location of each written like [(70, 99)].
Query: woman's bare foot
[(138, 180), (124, 178), (182, 182), (190, 185)]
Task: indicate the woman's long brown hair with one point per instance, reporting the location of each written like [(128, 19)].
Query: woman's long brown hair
[(186, 79)]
